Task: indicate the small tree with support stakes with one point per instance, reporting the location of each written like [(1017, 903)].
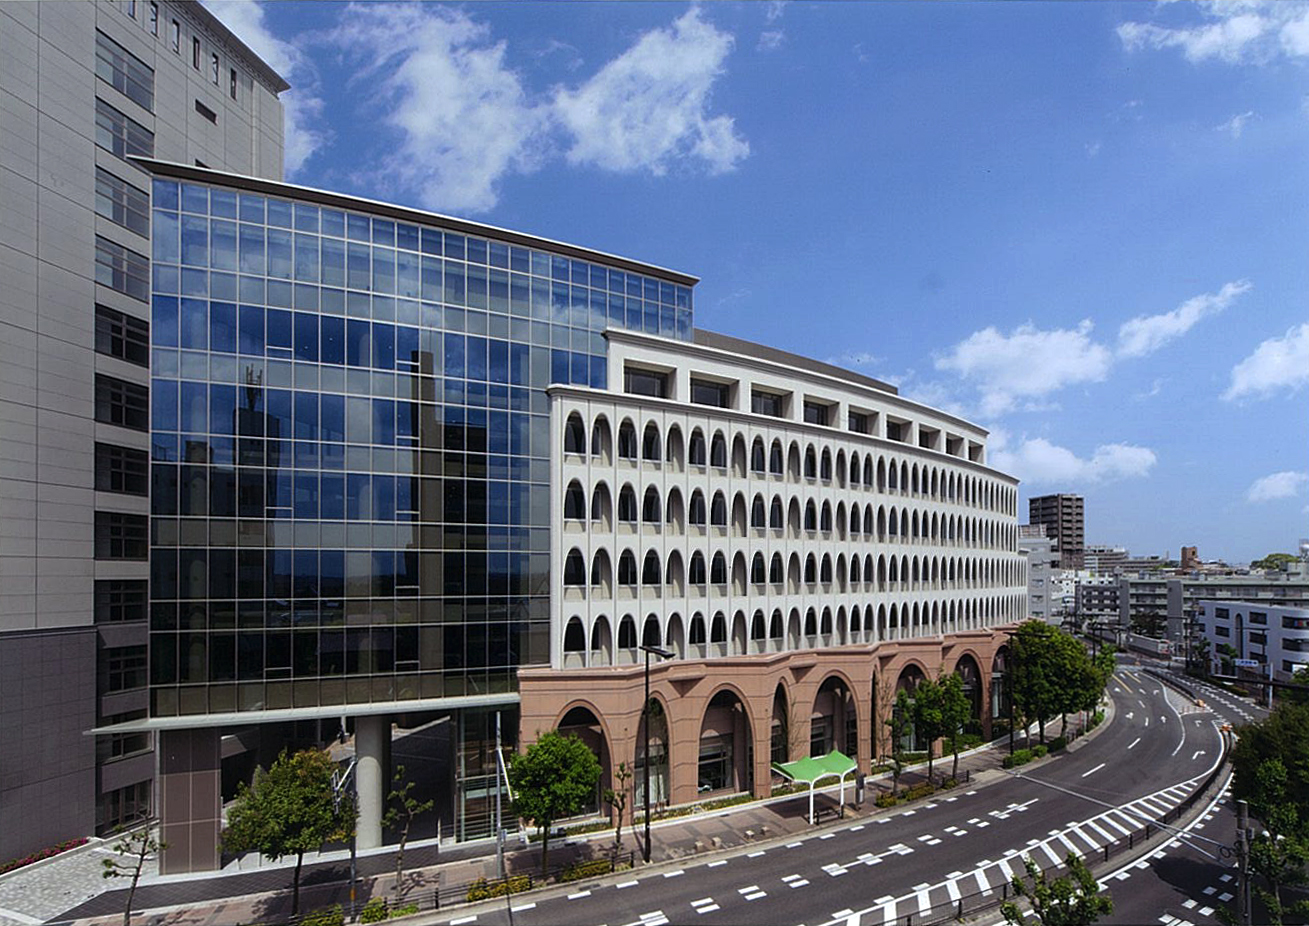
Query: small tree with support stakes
[(899, 724), (404, 808), (553, 779), (956, 710), (617, 799), (133, 850)]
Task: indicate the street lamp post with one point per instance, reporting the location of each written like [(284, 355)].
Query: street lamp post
[(645, 722)]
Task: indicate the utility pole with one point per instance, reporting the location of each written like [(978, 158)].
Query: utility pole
[(499, 824), (1243, 836)]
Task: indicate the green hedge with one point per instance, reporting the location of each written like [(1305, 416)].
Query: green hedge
[(1016, 758), (481, 889), (591, 869), (374, 911), (330, 916)]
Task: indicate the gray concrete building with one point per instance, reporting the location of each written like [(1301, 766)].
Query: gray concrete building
[(83, 88), (1042, 563), (1064, 518)]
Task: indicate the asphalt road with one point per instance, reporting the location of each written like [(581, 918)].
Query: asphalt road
[(924, 860)]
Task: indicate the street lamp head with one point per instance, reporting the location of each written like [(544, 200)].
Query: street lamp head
[(658, 651)]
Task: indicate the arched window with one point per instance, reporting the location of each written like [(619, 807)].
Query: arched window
[(810, 463), (574, 502), (718, 451), (600, 438), (627, 441), (696, 635), (626, 568), (825, 466), (575, 435), (758, 515), (650, 506), (627, 504), (650, 635), (650, 572), (718, 510), (696, 450), (627, 633), (775, 464), (810, 516), (601, 505), (695, 512), (776, 516), (600, 572), (718, 569), (650, 443), (718, 629), (574, 568), (810, 570), (810, 623), (574, 636), (776, 571), (825, 519), (758, 626), (825, 569), (757, 459), (854, 469), (697, 569), (758, 572)]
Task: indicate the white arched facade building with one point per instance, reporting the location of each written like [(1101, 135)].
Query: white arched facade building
[(803, 540)]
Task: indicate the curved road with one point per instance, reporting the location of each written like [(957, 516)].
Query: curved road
[(921, 861)]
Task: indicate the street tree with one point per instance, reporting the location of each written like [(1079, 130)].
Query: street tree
[(956, 710), (1071, 900), (899, 724), (289, 810), (616, 798), (553, 779), (929, 717), (132, 850), (400, 815), (1036, 684)]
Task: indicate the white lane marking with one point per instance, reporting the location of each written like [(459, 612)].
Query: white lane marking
[(702, 901), (709, 909), (983, 885), (794, 845), (675, 874), (1198, 754), (1134, 742), (579, 895), (842, 914), (717, 863), (756, 895), (1094, 770), (1147, 721), (521, 907), (755, 854), (827, 836), (924, 902), (1055, 860), (855, 829), (952, 889), (1115, 824), (624, 884), (801, 883), (463, 919)]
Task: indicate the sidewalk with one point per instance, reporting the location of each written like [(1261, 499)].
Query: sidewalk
[(263, 895)]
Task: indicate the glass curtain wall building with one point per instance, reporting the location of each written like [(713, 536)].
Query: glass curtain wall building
[(350, 445)]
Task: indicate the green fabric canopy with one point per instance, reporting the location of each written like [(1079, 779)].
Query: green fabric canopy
[(811, 769)]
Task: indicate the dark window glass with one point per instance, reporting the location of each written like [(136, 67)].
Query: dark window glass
[(124, 72), (205, 111), (122, 668), (122, 269), (121, 807), (122, 336), (121, 536), (120, 135), (122, 403), (121, 202), (766, 403), (716, 394), (814, 413), (119, 600), (121, 469), (859, 422), (643, 382)]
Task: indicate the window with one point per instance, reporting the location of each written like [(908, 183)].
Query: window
[(154, 18), (122, 269), (859, 422), (122, 336), (121, 745), (120, 600), (195, 52), (122, 203), (231, 84), (122, 668), (766, 403), (123, 71), (121, 469), (205, 111), (645, 382), (716, 394), (131, 8), (1222, 631), (213, 69), (121, 807), (122, 403), (1259, 617), (121, 536), (815, 413), (177, 36), (120, 135)]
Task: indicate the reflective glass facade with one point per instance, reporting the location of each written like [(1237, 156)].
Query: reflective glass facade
[(350, 448)]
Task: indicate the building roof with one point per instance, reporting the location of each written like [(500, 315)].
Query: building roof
[(230, 39), (750, 348)]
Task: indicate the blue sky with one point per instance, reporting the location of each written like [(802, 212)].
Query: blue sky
[(1084, 226)]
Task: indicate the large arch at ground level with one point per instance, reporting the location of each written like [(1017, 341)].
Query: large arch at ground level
[(726, 744), (581, 719)]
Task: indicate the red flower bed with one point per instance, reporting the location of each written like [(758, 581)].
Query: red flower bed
[(43, 854)]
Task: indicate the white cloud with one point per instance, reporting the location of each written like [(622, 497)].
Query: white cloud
[(1277, 364), (850, 359), (1146, 334), (1231, 32), (463, 117), (774, 10), (301, 105), (1027, 364), (649, 106), (1236, 125), (770, 40), (1286, 484), (1038, 461)]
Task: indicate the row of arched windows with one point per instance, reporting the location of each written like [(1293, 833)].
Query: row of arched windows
[(883, 524), (868, 470), (788, 575), (599, 641)]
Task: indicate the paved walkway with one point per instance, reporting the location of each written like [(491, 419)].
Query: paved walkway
[(71, 888)]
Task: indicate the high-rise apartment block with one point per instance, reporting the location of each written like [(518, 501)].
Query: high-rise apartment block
[(274, 460), (1064, 520), (84, 88)]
